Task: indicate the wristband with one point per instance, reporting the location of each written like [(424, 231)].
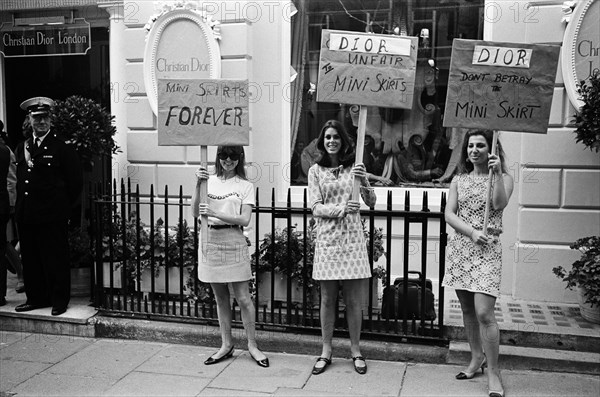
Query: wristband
[(471, 235)]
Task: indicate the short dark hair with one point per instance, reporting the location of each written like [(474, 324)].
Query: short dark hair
[(240, 168), (347, 153)]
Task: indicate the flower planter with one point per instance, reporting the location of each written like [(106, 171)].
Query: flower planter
[(173, 273), (116, 275), (280, 286), (588, 312)]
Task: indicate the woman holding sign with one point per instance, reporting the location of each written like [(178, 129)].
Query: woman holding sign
[(225, 258), (474, 259), (340, 249)]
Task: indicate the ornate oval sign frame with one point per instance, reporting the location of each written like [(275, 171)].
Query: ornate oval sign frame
[(183, 44), (570, 46)]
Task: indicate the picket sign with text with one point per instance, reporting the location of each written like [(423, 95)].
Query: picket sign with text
[(500, 86), (203, 112), (366, 69)]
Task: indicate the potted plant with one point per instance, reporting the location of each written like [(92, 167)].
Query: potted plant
[(587, 120), (585, 275), (178, 253), (273, 256), (87, 126)]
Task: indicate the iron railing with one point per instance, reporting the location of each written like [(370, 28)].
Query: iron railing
[(135, 237)]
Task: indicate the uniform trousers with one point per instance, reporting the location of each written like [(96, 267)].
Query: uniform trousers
[(46, 267)]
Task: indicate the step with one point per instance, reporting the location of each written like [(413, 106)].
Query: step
[(76, 321), (530, 358)]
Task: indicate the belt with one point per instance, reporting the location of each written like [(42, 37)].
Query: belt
[(223, 226)]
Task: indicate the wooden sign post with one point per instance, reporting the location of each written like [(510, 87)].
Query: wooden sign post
[(500, 86), (366, 69), (203, 112)]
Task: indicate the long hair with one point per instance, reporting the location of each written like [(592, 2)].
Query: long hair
[(346, 154), (464, 166), (240, 168)]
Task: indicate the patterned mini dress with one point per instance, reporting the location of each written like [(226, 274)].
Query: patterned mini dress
[(469, 266), (340, 247)]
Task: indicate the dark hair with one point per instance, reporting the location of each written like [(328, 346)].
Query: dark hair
[(240, 168), (346, 153), (464, 166)]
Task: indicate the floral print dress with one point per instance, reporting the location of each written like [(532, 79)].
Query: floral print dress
[(340, 249), (469, 266)]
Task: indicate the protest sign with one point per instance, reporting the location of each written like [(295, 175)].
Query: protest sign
[(501, 86), (205, 112), (367, 69)]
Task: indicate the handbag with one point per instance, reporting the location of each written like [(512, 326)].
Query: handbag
[(393, 301)]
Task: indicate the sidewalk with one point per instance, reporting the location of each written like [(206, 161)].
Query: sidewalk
[(43, 364)]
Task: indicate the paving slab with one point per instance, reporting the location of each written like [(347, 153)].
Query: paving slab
[(14, 372), (383, 378), (46, 384), (533, 383), (44, 348), (286, 370), (213, 392), (183, 360), (112, 359), (152, 384), (287, 392), (8, 337), (439, 380)]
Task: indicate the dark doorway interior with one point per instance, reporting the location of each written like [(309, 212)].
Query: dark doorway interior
[(59, 77), (56, 77)]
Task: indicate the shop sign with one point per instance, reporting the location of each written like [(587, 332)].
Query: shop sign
[(180, 45), (208, 112), (581, 47), (367, 69), (45, 40), (501, 86)]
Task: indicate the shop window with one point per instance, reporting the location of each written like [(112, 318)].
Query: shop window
[(402, 147)]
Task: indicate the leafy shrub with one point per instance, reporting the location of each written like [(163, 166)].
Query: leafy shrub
[(86, 125), (585, 272), (587, 119)]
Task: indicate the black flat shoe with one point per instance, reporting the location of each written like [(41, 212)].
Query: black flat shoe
[(360, 370), (261, 363), (26, 307), (211, 360), (319, 370)]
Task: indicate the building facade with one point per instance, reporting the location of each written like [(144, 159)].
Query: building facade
[(274, 44)]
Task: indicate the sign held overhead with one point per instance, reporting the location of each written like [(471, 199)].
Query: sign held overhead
[(209, 112), (367, 69), (501, 86)]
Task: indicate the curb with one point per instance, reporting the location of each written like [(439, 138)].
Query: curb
[(537, 356), (528, 358), (277, 341)]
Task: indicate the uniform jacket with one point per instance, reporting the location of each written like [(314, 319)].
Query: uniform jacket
[(49, 186)]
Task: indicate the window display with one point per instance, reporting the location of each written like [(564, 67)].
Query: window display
[(403, 147)]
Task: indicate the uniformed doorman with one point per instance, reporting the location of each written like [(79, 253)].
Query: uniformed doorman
[(49, 182)]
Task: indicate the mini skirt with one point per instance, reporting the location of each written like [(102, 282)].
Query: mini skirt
[(225, 257)]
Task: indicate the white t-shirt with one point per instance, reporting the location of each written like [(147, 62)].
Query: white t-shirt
[(228, 196)]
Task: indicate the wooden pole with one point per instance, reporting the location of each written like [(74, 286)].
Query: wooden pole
[(489, 187), (203, 199), (360, 147)]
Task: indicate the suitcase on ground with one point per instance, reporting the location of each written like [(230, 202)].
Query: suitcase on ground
[(393, 302)]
